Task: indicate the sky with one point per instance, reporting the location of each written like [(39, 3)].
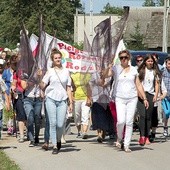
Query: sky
[(99, 4)]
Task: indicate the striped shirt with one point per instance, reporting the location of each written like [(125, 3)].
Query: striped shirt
[(166, 79)]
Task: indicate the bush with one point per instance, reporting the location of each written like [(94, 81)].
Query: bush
[(7, 115)]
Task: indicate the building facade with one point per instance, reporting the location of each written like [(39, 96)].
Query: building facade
[(87, 23), (150, 20)]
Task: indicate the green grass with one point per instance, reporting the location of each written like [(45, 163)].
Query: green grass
[(6, 163)]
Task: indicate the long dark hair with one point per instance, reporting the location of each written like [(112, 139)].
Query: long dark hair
[(141, 69), (13, 62)]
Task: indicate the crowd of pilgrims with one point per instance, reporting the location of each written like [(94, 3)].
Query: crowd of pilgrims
[(114, 101)]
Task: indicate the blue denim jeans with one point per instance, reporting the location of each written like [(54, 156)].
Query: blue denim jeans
[(57, 113), (32, 108), (47, 128)]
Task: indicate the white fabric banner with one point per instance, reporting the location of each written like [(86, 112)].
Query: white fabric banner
[(73, 59)]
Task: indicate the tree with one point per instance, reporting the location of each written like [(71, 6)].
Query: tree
[(79, 45), (161, 2), (149, 3), (58, 15), (108, 9), (137, 39), (153, 3)]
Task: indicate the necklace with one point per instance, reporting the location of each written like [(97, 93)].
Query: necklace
[(148, 79), (125, 70), (148, 75)]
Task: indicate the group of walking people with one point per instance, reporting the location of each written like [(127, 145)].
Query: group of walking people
[(90, 96), (138, 90), (26, 98)]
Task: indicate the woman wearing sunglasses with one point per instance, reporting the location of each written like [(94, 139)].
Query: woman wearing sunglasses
[(125, 93)]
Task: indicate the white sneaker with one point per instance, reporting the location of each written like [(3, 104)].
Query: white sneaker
[(165, 133), (21, 140), (79, 135)]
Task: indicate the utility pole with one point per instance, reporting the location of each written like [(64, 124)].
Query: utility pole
[(165, 26), (91, 20)]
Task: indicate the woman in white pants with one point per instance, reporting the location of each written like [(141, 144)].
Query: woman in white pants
[(125, 92)]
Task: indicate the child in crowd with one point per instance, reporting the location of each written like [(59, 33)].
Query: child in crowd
[(2, 92)]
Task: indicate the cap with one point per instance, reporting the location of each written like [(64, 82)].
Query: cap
[(2, 61)]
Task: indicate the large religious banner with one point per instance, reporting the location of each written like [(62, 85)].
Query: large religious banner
[(73, 59)]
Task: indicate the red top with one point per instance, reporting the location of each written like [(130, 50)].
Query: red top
[(18, 83)]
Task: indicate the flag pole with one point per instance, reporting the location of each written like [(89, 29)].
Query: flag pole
[(91, 20), (165, 26)]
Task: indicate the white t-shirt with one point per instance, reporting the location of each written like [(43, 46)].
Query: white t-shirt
[(148, 82), (125, 86), (56, 88)]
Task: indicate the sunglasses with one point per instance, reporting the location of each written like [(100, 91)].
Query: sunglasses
[(139, 60), (123, 57)]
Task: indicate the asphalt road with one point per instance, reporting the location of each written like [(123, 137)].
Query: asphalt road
[(79, 154)]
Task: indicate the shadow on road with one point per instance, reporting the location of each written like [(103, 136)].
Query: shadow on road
[(64, 148), (7, 147)]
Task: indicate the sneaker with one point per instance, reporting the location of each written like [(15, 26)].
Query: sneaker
[(165, 133), (45, 146), (36, 140), (32, 144), (21, 140), (152, 137), (142, 141), (147, 142), (55, 151), (113, 136), (79, 135), (84, 136)]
